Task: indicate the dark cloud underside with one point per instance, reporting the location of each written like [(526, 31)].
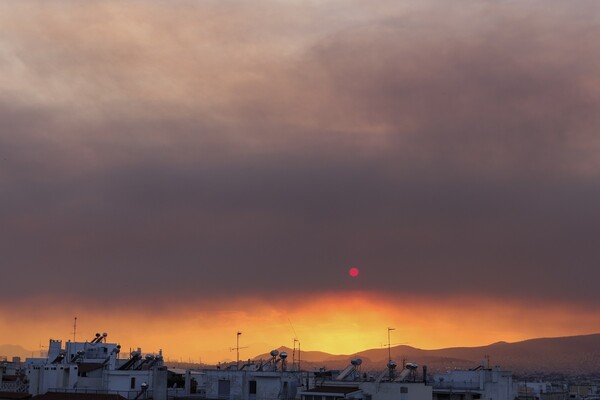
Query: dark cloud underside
[(443, 149)]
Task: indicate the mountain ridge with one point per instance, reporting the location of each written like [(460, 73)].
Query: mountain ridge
[(14, 350), (569, 355)]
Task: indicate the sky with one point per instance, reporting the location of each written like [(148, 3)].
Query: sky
[(173, 172)]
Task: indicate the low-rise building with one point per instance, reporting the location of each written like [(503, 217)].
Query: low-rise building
[(351, 383), (475, 384), (95, 367)]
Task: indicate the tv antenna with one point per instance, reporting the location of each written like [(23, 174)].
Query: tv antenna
[(237, 348), (294, 354), (74, 329), (389, 345), (42, 349), (294, 351)]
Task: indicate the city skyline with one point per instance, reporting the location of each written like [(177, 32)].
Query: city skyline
[(175, 172)]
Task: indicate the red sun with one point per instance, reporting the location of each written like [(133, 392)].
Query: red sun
[(353, 272)]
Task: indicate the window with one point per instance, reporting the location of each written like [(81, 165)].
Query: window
[(224, 388), (285, 390), (252, 387), (403, 393), (132, 385)]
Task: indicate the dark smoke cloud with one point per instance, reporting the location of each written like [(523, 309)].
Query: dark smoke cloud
[(445, 150)]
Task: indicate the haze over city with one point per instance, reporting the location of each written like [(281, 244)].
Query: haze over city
[(175, 172)]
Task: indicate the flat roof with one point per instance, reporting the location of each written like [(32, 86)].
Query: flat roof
[(78, 396), (14, 395), (332, 389)]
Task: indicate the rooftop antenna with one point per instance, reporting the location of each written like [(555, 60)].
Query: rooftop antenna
[(298, 355), (294, 354), (237, 348), (389, 346), (42, 348), (295, 340), (74, 329)]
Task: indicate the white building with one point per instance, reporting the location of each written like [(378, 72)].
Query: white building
[(269, 380), (541, 391), (12, 380), (389, 385), (479, 383), (95, 367)]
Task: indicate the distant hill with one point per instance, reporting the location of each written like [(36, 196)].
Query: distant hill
[(569, 355), (11, 350), (313, 356), (313, 359)]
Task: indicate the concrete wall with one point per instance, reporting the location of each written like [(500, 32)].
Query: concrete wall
[(396, 390), (490, 384), (269, 385)]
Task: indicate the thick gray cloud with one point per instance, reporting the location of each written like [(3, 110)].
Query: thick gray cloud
[(444, 149)]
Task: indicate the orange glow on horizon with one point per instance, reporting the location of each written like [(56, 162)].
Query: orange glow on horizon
[(343, 323)]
